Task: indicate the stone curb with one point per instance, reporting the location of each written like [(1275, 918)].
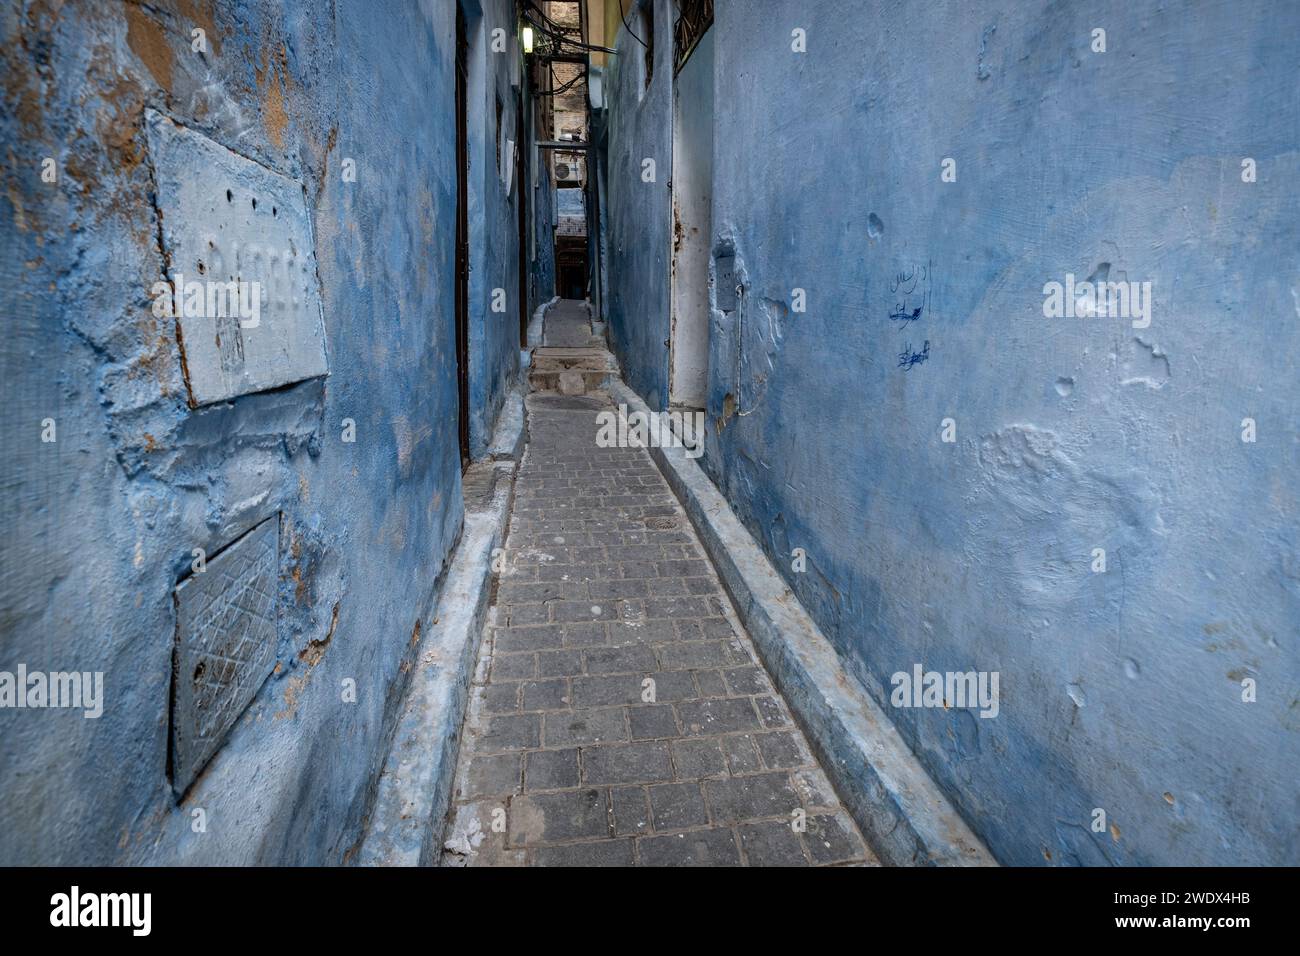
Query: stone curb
[(414, 793)]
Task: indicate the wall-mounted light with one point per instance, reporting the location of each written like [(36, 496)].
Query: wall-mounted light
[(528, 39)]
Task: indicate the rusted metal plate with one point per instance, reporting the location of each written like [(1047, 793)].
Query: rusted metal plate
[(225, 645), (235, 231)]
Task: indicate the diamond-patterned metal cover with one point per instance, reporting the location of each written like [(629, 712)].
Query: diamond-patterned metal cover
[(225, 646)]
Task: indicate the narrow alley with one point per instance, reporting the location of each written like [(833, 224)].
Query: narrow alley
[(469, 434), (619, 714)]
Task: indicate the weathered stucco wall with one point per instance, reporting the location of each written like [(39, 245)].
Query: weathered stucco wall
[(494, 61), (640, 211), (1120, 690), (99, 526), (541, 266)]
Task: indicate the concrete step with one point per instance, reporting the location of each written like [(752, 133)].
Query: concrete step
[(570, 371)]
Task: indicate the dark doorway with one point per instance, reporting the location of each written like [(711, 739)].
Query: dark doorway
[(571, 266), (462, 234)]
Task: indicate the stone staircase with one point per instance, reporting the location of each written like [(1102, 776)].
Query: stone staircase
[(573, 359)]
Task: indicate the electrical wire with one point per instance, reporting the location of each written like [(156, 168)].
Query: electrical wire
[(627, 26)]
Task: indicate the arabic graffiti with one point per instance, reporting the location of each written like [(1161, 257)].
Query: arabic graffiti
[(907, 358), (910, 290), (911, 287)]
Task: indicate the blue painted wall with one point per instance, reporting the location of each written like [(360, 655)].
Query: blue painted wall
[(494, 76), (541, 274), (1120, 690), (640, 214), (99, 526)]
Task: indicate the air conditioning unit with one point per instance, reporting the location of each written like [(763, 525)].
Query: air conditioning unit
[(563, 171)]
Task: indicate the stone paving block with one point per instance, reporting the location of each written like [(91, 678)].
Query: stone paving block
[(742, 756), (525, 615), (589, 634), (746, 681), (700, 757), (717, 716), (677, 607), (771, 844), (551, 769), (664, 587), (643, 632), (694, 848), (747, 798), (640, 762), (693, 655), (565, 815), (833, 839), (564, 663), (631, 811), (652, 720), (519, 639), (710, 683), (814, 788), (512, 667), (541, 592), (511, 732), (602, 725), (676, 806), (607, 689), (772, 713), (781, 750), (500, 698), (622, 659), (612, 590), (492, 774), (551, 694), (601, 853)]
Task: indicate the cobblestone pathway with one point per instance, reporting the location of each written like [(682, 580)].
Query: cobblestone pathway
[(618, 715)]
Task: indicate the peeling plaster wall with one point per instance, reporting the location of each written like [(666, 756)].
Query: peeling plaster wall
[(640, 213), (100, 525), (494, 226), (1119, 690)]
